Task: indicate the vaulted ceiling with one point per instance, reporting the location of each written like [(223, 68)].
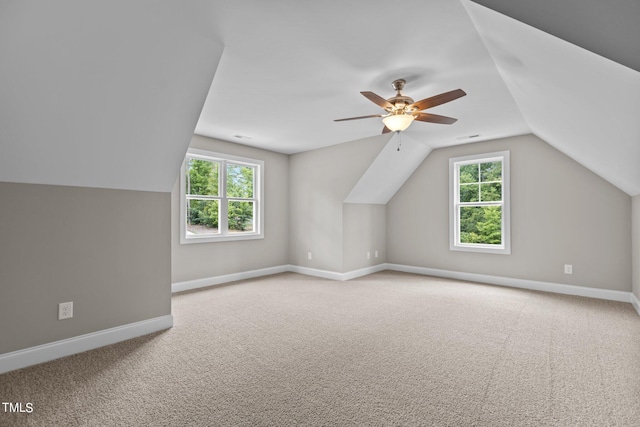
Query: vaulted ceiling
[(107, 94)]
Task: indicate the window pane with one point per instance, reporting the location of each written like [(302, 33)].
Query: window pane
[(491, 171), (239, 181), (202, 177), (202, 217), (481, 224), (491, 192), (469, 173), (469, 193), (240, 217)]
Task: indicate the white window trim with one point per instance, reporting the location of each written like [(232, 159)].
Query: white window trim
[(454, 205), (258, 190)]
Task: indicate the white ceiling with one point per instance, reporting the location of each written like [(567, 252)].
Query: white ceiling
[(290, 68), (107, 94)]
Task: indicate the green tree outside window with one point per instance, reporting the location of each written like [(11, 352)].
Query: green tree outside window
[(480, 221)]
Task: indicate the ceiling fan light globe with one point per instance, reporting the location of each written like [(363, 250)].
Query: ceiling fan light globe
[(398, 122)]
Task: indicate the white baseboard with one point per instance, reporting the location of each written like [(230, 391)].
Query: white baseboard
[(226, 278), (635, 302), (557, 288), (354, 274), (326, 274), (55, 350)]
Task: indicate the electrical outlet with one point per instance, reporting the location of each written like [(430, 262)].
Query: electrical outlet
[(568, 269), (65, 310), (368, 255), (376, 254), (309, 256)]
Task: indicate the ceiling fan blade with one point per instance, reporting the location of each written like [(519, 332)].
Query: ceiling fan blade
[(378, 100), (385, 130), (434, 118), (358, 118), (443, 98)]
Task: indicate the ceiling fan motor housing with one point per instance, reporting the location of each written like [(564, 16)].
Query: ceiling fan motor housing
[(400, 101)]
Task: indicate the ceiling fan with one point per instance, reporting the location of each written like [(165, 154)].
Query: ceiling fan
[(401, 111)]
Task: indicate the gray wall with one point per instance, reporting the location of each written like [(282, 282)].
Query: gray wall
[(202, 260), (108, 251), (561, 213), (111, 251), (320, 180), (636, 245), (364, 230)]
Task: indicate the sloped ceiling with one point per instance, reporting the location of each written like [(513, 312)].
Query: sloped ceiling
[(579, 102), (281, 89), (102, 94), (395, 163), (107, 94), (608, 28)]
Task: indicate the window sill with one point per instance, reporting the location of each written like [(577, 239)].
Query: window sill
[(482, 249), (225, 238)]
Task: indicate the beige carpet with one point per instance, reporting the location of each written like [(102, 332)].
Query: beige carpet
[(386, 349)]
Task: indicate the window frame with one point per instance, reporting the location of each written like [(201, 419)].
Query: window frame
[(455, 204), (258, 190)]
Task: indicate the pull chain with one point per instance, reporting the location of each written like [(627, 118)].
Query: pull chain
[(399, 140)]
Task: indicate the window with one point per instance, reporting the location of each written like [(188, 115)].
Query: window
[(479, 208), (220, 198)]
